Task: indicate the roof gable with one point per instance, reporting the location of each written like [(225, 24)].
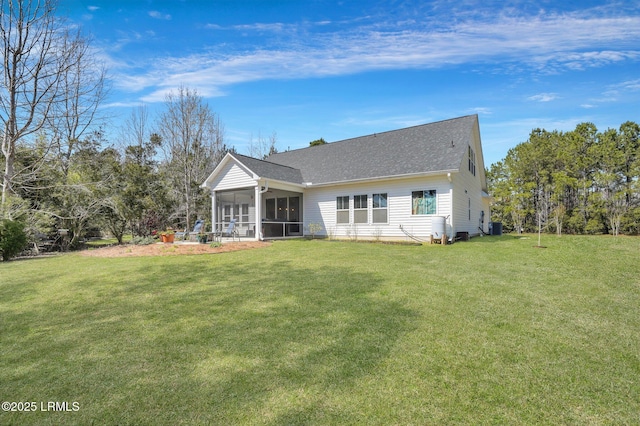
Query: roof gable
[(427, 149), (248, 170)]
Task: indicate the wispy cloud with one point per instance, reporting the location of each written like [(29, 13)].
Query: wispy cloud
[(614, 92), (543, 97), (545, 43), (480, 111), (159, 15), (629, 85), (276, 27)]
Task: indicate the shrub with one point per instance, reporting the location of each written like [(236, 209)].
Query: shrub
[(12, 238), (143, 241), (314, 228)]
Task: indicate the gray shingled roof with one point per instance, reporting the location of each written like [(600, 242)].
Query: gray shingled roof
[(266, 169), (429, 148)]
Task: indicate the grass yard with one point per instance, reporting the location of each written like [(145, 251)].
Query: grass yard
[(492, 331)]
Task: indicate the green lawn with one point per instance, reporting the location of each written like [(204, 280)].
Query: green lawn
[(492, 331)]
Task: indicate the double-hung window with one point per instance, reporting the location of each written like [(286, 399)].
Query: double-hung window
[(472, 161), (380, 208), (360, 209), (423, 202), (342, 209)]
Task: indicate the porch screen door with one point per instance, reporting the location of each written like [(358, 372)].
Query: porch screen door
[(294, 215)]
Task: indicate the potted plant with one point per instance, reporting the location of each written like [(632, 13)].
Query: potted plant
[(202, 238), (167, 236)]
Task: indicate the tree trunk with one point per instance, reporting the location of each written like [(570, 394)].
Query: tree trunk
[(7, 190)]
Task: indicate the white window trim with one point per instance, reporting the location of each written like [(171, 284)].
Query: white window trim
[(425, 214), (348, 210), (373, 209), (472, 161), (360, 209)]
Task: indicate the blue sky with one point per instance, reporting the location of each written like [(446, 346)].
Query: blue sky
[(340, 69)]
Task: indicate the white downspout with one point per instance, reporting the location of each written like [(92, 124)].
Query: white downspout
[(452, 204)]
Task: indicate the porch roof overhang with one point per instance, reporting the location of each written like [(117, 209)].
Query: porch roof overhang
[(269, 183), (277, 184)]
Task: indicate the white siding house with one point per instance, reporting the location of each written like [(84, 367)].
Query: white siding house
[(394, 185)]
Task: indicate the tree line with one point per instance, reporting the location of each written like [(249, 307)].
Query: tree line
[(60, 169), (582, 182)]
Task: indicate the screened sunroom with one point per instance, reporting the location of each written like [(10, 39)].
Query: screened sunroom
[(278, 213)]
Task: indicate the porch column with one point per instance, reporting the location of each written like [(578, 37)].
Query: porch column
[(214, 211), (258, 207)]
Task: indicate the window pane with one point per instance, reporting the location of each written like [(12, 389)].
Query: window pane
[(380, 216), (342, 203), (360, 216), (423, 202), (472, 161), (342, 207), (379, 201), (359, 201), (342, 216)]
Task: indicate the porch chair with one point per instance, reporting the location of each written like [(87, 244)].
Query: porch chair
[(197, 228), (231, 231)]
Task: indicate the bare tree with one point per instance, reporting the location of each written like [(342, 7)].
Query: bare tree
[(135, 130), (82, 89), (262, 148), (192, 138), (35, 59), (26, 35)]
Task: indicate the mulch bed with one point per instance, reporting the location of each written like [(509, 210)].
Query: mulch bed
[(160, 249)]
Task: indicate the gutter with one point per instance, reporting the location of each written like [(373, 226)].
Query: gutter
[(391, 177)]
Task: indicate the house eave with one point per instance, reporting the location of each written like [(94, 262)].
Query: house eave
[(277, 182)]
